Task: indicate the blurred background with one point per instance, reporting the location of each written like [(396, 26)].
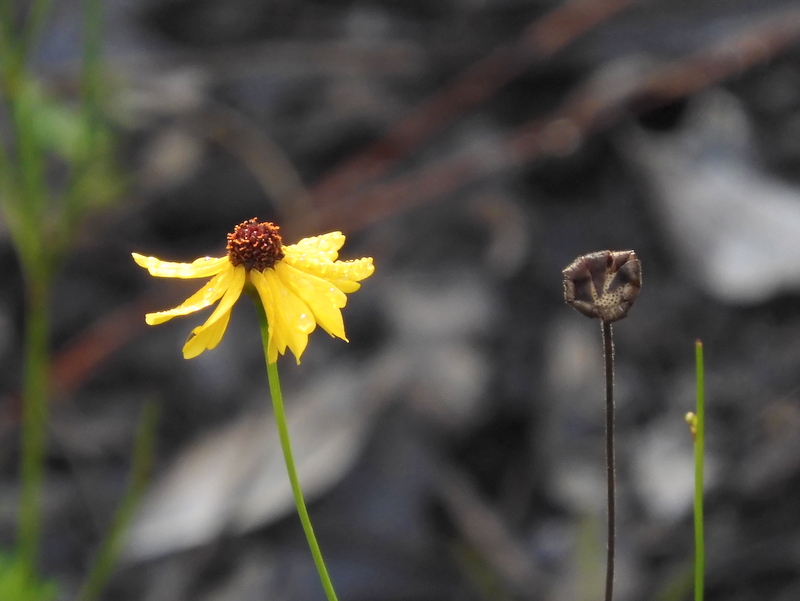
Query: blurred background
[(453, 450)]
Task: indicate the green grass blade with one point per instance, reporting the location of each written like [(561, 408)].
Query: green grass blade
[(111, 546), (699, 446)]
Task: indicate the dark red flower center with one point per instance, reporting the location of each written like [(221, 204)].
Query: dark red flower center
[(256, 245)]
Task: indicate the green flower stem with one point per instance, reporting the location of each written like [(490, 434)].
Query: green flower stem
[(34, 422), (699, 445), (283, 432)]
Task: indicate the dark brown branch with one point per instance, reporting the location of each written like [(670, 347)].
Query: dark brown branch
[(590, 109), (540, 40)]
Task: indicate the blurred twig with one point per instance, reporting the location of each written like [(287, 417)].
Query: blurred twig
[(72, 365), (592, 107), (540, 40), (76, 362), (265, 159), (483, 528)]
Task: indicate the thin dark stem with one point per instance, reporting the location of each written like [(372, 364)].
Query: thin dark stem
[(608, 355)]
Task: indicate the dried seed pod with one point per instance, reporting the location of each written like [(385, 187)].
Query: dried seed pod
[(603, 284)]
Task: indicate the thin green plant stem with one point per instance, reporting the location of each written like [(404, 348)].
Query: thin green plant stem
[(34, 421), (7, 34), (92, 53), (92, 74), (108, 553), (31, 165), (699, 448), (608, 356), (74, 193), (8, 198), (37, 17), (10, 63), (283, 433)]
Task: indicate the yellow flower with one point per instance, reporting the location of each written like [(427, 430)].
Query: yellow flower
[(300, 286)]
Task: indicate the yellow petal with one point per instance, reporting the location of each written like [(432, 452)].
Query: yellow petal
[(346, 285), (276, 343), (353, 271), (293, 318), (206, 296), (205, 337), (324, 247), (324, 299), (210, 333), (201, 268), (232, 294), (345, 275)]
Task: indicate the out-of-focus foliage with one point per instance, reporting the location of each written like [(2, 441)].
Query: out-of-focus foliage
[(15, 584)]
